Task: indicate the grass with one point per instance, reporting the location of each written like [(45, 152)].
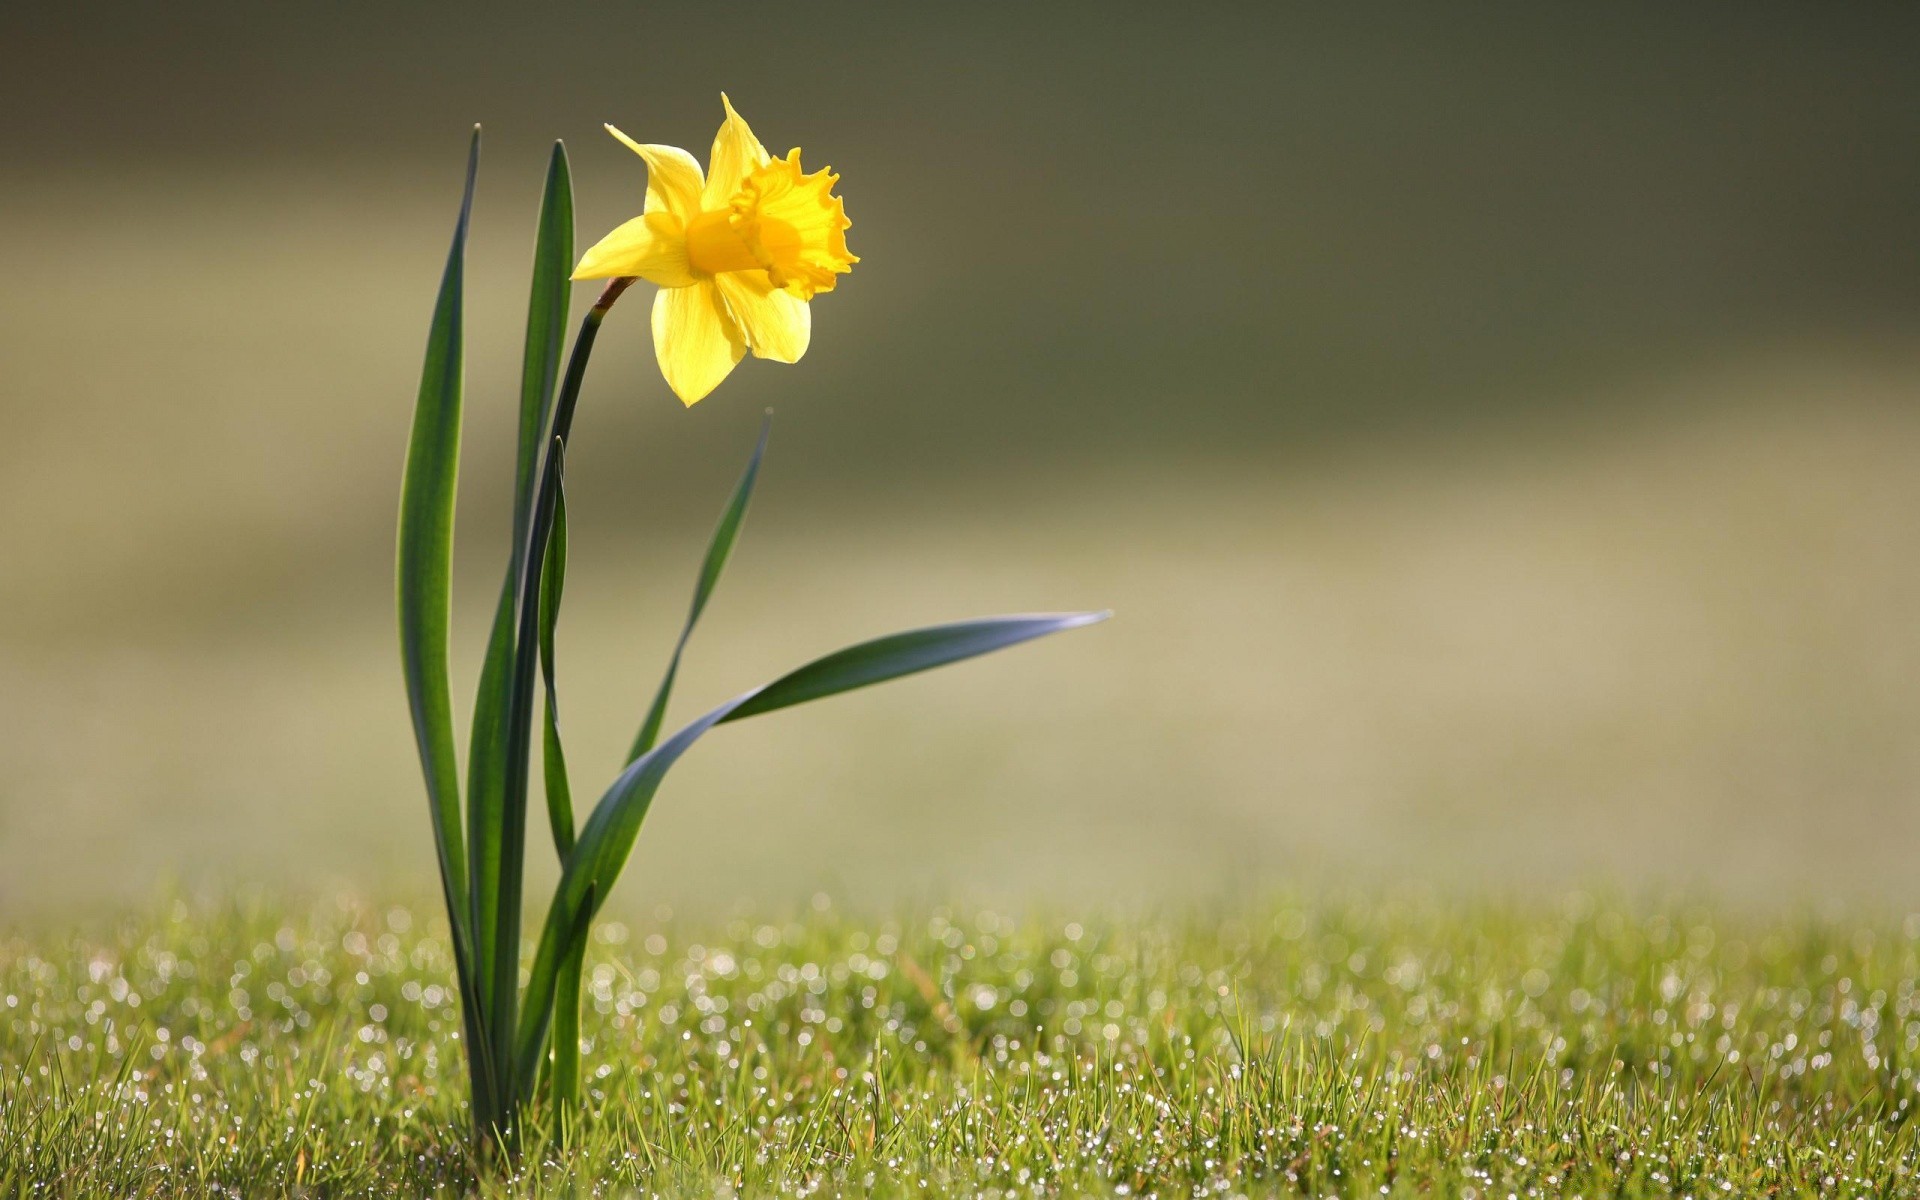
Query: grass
[(1401, 1047)]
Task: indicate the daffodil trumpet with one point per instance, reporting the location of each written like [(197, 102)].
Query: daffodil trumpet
[(738, 252)]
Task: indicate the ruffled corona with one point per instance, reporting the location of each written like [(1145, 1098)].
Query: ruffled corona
[(737, 251), (794, 225)]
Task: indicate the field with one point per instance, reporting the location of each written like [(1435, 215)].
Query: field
[(1496, 434), (1397, 1046)]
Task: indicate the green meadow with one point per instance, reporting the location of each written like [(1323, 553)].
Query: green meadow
[(1380, 1045)]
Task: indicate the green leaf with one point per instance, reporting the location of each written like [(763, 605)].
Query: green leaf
[(490, 758), (546, 331), (608, 837), (553, 577), (566, 1015), (900, 654), (486, 779), (719, 547), (426, 555)]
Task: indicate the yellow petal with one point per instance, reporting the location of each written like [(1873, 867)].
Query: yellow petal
[(736, 154), (674, 181), (695, 339), (654, 247), (778, 324)]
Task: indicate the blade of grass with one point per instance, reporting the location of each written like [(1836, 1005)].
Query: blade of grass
[(553, 759), (719, 547), (488, 754), (608, 837)]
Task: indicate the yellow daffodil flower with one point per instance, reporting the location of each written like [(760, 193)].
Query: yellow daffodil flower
[(737, 253)]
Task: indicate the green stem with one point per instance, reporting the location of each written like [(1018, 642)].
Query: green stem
[(511, 1091)]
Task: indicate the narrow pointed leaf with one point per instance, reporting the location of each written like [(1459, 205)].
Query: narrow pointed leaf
[(489, 757), (900, 654), (425, 554), (606, 841), (566, 1014), (553, 757), (486, 781), (719, 547), (546, 332)]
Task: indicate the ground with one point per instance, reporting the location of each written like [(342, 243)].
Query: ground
[(1405, 1046)]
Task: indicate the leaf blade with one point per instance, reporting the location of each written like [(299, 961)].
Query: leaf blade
[(547, 305), (490, 759), (901, 654), (566, 1016), (719, 549), (608, 837), (424, 554), (425, 550)]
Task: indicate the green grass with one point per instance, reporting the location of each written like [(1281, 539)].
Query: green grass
[(1355, 1048)]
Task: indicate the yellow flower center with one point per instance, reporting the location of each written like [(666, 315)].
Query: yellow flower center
[(785, 223), (714, 245)]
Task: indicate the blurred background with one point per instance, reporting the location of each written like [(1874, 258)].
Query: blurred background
[(1497, 427)]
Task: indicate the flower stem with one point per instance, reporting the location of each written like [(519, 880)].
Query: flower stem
[(513, 1092)]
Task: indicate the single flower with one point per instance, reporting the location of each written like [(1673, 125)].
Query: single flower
[(738, 253)]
